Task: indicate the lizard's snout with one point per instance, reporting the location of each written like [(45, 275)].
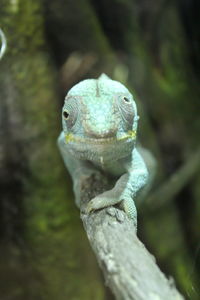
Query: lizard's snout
[(98, 131), (102, 134)]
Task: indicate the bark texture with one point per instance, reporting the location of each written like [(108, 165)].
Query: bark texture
[(129, 269)]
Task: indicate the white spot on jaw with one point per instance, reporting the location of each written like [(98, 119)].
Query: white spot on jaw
[(154, 296)]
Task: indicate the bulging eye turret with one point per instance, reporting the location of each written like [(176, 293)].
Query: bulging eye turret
[(128, 110), (70, 111)]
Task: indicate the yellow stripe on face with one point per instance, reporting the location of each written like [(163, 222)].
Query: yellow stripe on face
[(131, 134), (69, 138)]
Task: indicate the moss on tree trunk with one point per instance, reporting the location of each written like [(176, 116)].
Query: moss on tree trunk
[(41, 250)]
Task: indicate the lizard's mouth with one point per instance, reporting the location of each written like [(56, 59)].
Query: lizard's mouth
[(130, 135)]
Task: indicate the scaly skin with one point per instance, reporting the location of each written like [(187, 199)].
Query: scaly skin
[(99, 132)]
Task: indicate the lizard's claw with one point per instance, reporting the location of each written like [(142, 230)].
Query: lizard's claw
[(95, 203), (89, 207)]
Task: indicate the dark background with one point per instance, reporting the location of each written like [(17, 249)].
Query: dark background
[(153, 48)]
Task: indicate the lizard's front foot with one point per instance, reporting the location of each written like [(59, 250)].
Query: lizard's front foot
[(126, 204), (98, 203)]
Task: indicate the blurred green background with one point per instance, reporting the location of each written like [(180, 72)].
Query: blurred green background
[(153, 48)]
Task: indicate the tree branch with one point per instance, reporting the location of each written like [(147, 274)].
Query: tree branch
[(169, 189), (129, 269)]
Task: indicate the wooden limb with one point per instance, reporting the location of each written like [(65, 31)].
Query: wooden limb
[(168, 190), (129, 269)]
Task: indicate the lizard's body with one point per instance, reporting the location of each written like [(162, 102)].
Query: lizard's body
[(99, 133)]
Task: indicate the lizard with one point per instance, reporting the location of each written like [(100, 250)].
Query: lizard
[(99, 120)]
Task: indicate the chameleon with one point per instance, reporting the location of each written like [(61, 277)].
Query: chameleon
[(99, 120)]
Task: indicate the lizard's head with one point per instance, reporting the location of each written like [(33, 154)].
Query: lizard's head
[(99, 115)]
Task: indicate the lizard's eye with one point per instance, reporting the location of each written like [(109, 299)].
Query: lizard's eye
[(65, 114), (127, 100)]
